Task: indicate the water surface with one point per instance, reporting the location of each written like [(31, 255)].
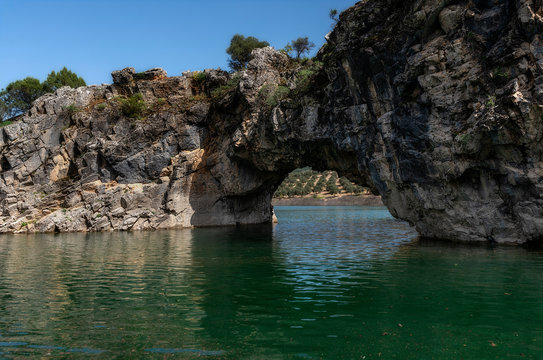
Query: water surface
[(326, 282)]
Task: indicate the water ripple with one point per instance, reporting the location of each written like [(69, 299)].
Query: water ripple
[(323, 279)]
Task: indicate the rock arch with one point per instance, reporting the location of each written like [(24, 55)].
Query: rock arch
[(438, 109)]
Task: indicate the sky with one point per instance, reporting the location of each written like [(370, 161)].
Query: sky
[(95, 37)]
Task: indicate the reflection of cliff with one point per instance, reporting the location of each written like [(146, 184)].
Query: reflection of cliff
[(237, 266), (79, 283), (324, 283), (286, 287), (341, 240)]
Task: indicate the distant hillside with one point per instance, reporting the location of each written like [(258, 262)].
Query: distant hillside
[(307, 182)]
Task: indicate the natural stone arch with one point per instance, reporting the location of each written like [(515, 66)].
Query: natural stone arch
[(424, 111), (418, 107)]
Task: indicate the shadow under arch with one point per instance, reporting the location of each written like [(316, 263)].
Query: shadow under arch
[(232, 187)]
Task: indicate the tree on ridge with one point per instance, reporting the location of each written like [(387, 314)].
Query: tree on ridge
[(19, 95), (240, 50), (302, 45), (65, 77)]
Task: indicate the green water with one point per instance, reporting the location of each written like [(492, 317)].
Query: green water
[(330, 283)]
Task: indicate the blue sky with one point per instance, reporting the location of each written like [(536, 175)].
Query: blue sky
[(95, 37)]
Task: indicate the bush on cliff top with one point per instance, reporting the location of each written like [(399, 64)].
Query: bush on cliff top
[(199, 76)]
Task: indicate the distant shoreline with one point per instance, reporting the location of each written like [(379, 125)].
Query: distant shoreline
[(348, 200)]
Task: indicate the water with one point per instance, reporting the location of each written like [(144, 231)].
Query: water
[(331, 283)]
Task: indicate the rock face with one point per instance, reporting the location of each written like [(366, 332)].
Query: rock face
[(451, 112), (76, 162), (435, 105)]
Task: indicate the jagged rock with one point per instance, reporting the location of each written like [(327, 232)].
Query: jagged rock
[(124, 76), (436, 106), (151, 74)]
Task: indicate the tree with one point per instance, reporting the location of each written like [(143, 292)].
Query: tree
[(287, 49), (240, 50), (64, 77), (18, 96), (4, 110), (332, 188), (333, 15), (302, 45)]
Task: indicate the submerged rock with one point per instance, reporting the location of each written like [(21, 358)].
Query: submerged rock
[(438, 108)]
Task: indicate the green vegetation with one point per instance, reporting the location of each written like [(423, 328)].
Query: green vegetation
[(134, 106), (199, 97), (346, 184), (287, 50), (301, 46), (333, 15), (101, 107), (5, 123), (198, 81), (331, 185), (65, 77), (139, 75), (19, 95), (500, 73), (319, 186), (305, 76), (159, 104), (349, 187), (500, 76), (465, 139), (491, 101), (240, 50), (307, 182), (272, 94), (224, 89), (199, 76), (72, 109)]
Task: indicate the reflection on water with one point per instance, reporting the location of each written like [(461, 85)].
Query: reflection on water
[(341, 282)]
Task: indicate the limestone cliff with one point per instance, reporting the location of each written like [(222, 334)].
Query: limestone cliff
[(436, 105)]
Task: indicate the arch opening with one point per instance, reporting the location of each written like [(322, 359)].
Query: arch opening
[(305, 186)]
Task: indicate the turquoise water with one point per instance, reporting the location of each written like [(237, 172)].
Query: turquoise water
[(326, 282)]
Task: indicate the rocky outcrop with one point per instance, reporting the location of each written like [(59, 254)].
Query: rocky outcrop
[(80, 161), (451, 103), (435, 105)]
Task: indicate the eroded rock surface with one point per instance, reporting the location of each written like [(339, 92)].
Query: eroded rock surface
[(435, 105), (451, 97)]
